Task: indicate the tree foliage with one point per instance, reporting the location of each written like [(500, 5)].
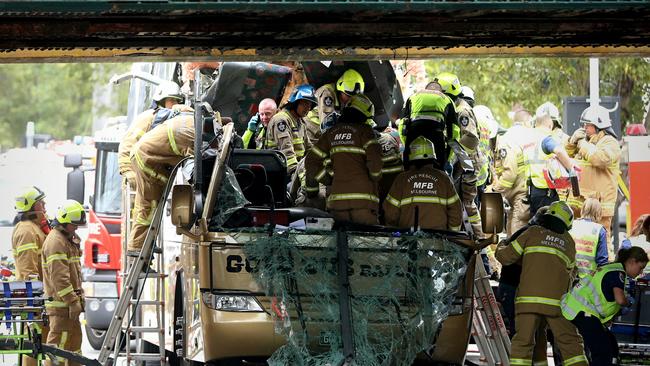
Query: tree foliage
[(57, 97), (500, 83)]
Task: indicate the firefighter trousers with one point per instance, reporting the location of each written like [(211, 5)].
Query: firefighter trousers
[(362, 216), (540, 198), (528, 329), (148, 195), (65, 333)]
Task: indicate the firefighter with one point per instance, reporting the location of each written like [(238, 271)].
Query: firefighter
[(597, 298), (597, 152), (27, 243), (546, 147), (431, 114), (547, 256), (331, 98), (256, 128), (469, 141), (590, 238), (549, 109), (356, 162), (152, 159), (286, 130), (424, 189), (62, 277), (167, 97), (392, 159)]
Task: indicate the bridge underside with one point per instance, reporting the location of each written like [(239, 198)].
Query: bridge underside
[(309, 30)]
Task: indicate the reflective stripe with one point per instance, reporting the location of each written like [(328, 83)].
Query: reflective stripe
[(506, 184), (396, 169), (353, 196), (75, 259), (474, 218), (321, 174), (376, 175), (575, 359), (587, 296), (540, 363), (65, 291), (520, 361), (347, 149), (64, 340), (55, 304), (391, 157), (318, 152), (26, 247), (150, 172), (292, 161), (172, 140), (373, 141), (517, 247), (536, 300), (392, 201), (56, 257), (548, 250), (422, 199), (455, 228), (311, 189)]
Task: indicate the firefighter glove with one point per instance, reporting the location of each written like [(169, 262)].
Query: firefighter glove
[(74, 310), (254, 121), (579, 134)]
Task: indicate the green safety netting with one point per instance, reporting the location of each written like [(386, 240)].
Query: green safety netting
[(401, 289)]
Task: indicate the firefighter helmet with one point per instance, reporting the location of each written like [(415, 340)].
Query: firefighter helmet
[(167, 89), (561, 211), (597, 116), (421, 149), (548, 109), (71, 212), (303, 92), (449, 83), (26, 200), (362, 104), (351, 82), (467, 92)]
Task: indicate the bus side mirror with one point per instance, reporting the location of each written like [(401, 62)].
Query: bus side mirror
[(492, 217), (182, 206), (76, 181)]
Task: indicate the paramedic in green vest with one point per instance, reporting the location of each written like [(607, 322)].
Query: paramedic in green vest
[(254, 134), (597, 298), (590, 238)]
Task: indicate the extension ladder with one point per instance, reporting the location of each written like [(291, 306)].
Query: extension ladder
[(488, 328)]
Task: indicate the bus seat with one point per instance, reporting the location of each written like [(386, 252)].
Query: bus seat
[(274, 165)]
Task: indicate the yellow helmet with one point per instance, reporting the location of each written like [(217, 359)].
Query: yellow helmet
[(363, 104), (421, 149), (71, 212), (561, 211), (26, 200), (449, 83), (351, 82)]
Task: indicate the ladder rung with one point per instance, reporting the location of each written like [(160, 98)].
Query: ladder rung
[(147, 302), (142, 329), (143, 356)]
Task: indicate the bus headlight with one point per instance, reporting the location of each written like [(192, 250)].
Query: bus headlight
[(231, 302)]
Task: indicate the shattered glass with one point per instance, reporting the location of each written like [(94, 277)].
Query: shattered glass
[(230, 200), (400, 291)]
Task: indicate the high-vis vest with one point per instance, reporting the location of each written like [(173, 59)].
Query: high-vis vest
[(429, 105), (537, 160), (587, 296), (585, 233)]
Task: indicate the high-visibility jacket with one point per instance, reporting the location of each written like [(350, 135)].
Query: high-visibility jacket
[(286, 133), (27, 242), (599, 159), (164, 146), (257, 136), (547, 264), (537, 159), (61, 271), (432, 192), (587, 296), (586, 234), (356, 162)]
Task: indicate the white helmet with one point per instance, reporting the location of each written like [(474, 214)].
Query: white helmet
[(467, 92), (484, 114), (597, 116), (548, 109), (167, 89)]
